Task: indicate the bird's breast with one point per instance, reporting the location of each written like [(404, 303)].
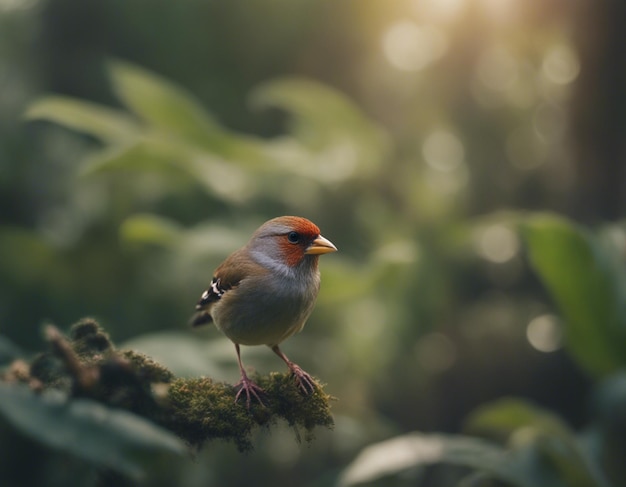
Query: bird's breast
[(265, 311)]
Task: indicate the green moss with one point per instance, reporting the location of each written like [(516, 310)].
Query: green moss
[(89, 339), (146, 367), (199, 410), (203, 409), (49, 371), (288, 402)]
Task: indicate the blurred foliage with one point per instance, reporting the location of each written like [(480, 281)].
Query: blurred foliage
[(465, 156)]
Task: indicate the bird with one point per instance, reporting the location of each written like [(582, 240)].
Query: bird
[(264, 292)]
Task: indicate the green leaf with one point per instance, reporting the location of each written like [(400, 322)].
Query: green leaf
[(174, 111), (332, 139), (320, 113), (508, 414), (528, 426), (585, 284), (150, 229), (162, 104), (108, 125), (399, 454), (107, 437), (142, 154), (154, 153)]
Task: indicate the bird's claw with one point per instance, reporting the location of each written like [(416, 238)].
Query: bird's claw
[(251, 389), (303, 379)]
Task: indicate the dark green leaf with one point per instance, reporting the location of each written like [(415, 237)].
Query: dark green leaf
[(160, 103), (528, 426), (584, 282), (111, 438)]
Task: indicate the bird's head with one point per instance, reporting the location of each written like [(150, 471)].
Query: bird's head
[(290, 241)]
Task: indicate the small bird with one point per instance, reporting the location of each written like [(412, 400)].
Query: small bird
[(264, 292)]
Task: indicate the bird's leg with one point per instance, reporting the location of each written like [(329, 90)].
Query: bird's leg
[(247, 386), (304, 380)]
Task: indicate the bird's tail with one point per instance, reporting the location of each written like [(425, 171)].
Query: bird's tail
[(202, 317)]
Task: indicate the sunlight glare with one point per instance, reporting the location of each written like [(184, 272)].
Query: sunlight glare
[(410, 47)]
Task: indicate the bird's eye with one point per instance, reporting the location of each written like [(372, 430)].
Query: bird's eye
[(293, 237)]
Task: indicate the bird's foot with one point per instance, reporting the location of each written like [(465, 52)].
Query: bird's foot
[(250, 389), (303, 379)]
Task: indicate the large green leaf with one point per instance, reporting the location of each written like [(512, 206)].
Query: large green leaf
[(172, 111), (331, 138), (177, 161), (142, 154), (584, 282), (528, 426), (398, 455), (106, 124), (111, 438), (161, 103), (320, 113)]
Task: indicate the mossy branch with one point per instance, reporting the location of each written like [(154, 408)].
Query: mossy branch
[(86, 364)]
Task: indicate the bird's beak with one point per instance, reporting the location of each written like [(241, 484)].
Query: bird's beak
[(319, 246)]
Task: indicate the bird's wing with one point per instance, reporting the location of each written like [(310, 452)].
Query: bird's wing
[(226, 277)]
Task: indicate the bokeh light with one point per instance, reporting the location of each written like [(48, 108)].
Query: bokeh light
[(410, 47), (498, 243), (561, 64), (500, 11), (443, 151), (545, 333), (438, 10)]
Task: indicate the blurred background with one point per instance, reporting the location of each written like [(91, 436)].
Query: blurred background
[(141, 142)]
